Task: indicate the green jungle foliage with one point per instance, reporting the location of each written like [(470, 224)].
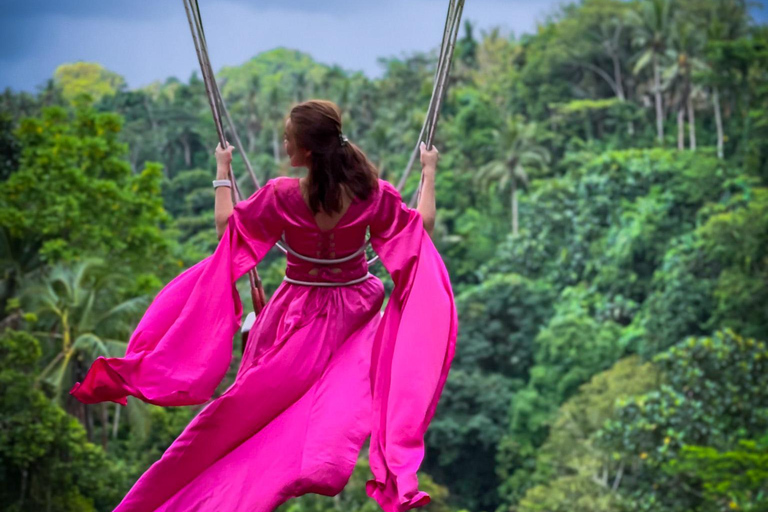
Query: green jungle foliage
[(602, 210)]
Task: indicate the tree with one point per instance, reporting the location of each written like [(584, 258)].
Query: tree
[(595, 37), (74, 195), (571, 472), (182, 126), (87, 78), (9, 147), (571, 348), (683, 55), (652, 29), (736, 476), (716, 25), (517, 152), (46, 462), (500, 319), (713, 392), (78, 315)]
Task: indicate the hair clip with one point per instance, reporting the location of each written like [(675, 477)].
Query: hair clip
[(343, 139)]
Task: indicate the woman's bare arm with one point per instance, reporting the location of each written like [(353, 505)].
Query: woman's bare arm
[(223, 207), (426, 205)]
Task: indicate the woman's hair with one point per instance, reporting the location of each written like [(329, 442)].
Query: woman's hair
[(316, 126)]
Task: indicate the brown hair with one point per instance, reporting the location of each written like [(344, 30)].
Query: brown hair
[(316, 126)]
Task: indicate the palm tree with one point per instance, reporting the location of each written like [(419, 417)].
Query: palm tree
[(652, 26), (726, 21), (605, 30), (517, 151), (684, 60), (250, 109), (275, 116), (76, 309)]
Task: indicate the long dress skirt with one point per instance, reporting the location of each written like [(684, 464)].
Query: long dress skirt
[(300, 407)]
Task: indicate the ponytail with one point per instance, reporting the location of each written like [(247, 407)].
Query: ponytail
[(335, 160)]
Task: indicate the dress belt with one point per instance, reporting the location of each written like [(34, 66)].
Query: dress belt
[(328, 283), (325, 262)]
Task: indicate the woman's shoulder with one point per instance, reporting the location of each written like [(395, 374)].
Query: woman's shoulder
[(388, 199), (280, 182), (387, 189), (280, 186)]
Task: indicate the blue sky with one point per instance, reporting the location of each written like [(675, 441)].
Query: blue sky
[(148, 40)]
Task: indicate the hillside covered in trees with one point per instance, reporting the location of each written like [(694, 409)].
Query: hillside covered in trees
[(602, 210)]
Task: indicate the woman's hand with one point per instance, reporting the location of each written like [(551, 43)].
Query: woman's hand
[(429, 158), (224, 156)]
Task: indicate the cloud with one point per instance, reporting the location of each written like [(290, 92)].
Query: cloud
[(147, 40), (36, 9)]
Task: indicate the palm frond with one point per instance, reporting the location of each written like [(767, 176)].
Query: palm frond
[(138, 414), (132, 306), (92, 345)]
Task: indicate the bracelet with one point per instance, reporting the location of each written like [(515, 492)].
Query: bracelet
[(222, 183)]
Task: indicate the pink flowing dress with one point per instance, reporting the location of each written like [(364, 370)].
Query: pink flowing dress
[(322, 370)]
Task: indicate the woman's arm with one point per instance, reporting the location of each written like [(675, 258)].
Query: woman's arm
[(223, 206), (426, 206)]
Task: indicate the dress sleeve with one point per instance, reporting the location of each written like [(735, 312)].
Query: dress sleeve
[(182, 347), (412, 351)]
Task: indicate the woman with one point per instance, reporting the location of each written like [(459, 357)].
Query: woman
[(322, 369)]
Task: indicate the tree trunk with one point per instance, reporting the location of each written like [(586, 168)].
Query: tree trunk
[(680, 128), (116, 422), (187, 151), (657, 94), (250, 133), (104, 426), (628, 93), (617, 480), (24, 480), (691, 114), (171, 155), (87, 416), (718, 122), (275, 146), (155, 129), (691, 125), (514, 205), (617, 77)]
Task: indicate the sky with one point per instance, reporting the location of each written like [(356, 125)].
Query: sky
[(149, 40)]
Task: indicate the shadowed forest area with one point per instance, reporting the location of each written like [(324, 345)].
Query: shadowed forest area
[(602, 210)]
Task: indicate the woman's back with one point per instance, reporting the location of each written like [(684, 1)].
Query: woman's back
[(325, 221)]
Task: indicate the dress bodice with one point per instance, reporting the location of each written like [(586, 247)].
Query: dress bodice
[(303, 235)]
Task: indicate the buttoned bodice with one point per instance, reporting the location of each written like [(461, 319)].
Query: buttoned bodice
[(302, 234)]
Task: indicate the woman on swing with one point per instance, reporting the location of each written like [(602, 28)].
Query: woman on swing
[(323, 369)]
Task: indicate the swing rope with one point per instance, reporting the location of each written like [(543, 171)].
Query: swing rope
[(439, 87), (216, 102), (258, 297)]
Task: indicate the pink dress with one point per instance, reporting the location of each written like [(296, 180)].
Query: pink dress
[(323, 369)]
